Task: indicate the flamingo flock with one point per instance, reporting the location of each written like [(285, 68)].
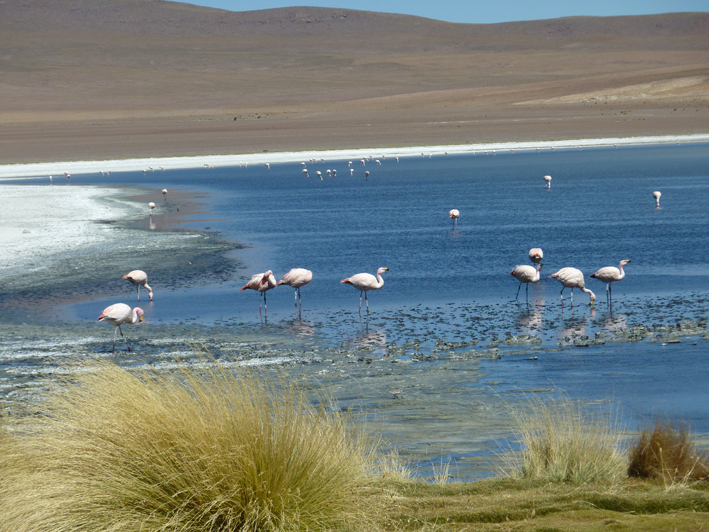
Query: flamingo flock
[(119, 314)]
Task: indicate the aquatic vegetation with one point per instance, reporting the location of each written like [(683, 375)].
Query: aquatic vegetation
[(564, 441), (208, 447), (667, 452)]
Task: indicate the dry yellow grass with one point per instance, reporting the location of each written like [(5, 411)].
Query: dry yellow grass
[(564, 441), (216, 449)]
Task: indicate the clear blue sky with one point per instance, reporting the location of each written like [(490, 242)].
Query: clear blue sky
[(487, 11)]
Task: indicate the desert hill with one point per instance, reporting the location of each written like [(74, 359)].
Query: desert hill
[(75, 75)]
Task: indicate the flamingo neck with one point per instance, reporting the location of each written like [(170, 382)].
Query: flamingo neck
[(135, 318), (620, 268), (380, 280)]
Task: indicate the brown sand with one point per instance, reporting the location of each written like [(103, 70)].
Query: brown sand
[(179, 80)]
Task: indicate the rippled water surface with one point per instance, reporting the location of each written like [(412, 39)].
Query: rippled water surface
[(446, 327)]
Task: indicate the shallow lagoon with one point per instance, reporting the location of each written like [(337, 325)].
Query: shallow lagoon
[(446, 327)]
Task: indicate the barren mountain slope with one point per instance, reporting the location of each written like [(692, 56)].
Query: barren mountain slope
[(75, 71)]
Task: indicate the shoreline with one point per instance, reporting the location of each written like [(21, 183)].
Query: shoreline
[(34, 170)]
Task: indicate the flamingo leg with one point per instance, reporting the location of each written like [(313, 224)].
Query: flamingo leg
[(366, 299), (360, 301), (265, 304), (126, 339), (527, 290), (572, 296), (518, 289), (138, 290), (259, 303), (114, 340), (296, 297)]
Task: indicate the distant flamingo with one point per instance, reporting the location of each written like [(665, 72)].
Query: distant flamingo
[(151, 206), (366, 174), (119, 314), (365, 282), (526, 274), (657, 195), (305, 171), (319, 174), (296, 278), (572, 278), (547, 178), (536, 255), (268, 166), (351, 171), (261, 282), (139, 278), (610, 274), (454, 214), (164, 193)]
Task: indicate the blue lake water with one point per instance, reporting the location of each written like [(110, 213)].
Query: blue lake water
[(451, 282)]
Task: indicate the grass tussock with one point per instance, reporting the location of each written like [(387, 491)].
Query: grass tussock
[(562, 441), (210, 450), (667, 452)]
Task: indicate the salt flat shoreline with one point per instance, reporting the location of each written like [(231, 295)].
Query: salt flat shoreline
[(34, 170)]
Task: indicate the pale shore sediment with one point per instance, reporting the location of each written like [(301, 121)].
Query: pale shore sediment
[(38, 221), (33, 170)]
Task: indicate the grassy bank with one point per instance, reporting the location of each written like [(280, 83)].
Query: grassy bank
[(214, 448)]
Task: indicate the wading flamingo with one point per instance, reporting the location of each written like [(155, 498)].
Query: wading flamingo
[(119, 314), (657, 195), (536, 255), (296, 278), (151, 206), (454, 215), (610, 274), (547, 178), (164, 193), (139, 278), (364, 282), (572, 278), (261, 282), (526, 274)]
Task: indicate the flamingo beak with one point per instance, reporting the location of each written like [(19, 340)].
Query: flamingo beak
[(141, 318)]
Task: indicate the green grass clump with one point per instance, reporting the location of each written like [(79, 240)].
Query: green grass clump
[(214, 449), (668, 453), (561, 441)]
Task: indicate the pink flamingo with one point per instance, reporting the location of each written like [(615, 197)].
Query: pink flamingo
[(547, 178), (454, 214), (536, 255), (610, 274), (296, 278), (572, 278), (657, 195), (526, 274), (139, 278), (364, 282), (119, 314), (261, 282)]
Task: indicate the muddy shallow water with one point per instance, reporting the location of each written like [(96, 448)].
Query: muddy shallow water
[(445, 333)]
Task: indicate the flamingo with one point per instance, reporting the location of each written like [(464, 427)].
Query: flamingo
[(572, 278), (657, 195), (547, 178), (296, 278), (139, 278), (319, 174), (164, 193), (151, 206), (305, 171), (119, 314), (536, 255), (610, 274), (268, 166), (366, 174), (526, 274), (351, 171), (261, 282), (454, 214), (364, 282)]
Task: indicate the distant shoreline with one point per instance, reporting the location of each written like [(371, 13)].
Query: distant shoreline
[(34, 170)]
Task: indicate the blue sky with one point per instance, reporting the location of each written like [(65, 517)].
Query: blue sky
[(482, 12)]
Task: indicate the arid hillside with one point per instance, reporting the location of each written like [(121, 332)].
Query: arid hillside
[(109, 78)]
